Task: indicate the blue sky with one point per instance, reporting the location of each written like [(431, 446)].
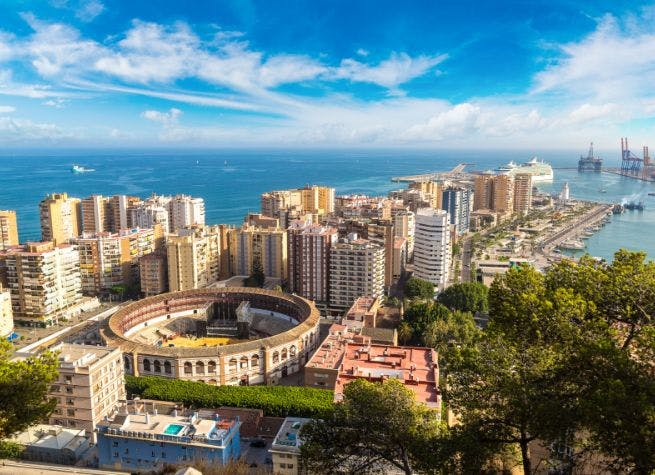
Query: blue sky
[(328, 73)]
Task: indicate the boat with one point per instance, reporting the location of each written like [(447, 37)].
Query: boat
[(651, 194), (81, 169), (617, 209), (540, 170), (634, 206), (602, 190), (575, 245)]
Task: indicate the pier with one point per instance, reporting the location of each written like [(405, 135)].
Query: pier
[(638, 176), (432, 176)]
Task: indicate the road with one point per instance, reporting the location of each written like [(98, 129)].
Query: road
[(467, 252), (12, 467)]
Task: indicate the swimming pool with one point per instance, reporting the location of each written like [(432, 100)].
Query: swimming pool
[(173, 429)]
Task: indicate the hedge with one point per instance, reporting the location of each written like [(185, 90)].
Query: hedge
[(278, 401)]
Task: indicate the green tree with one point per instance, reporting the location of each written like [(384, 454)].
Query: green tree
[(257, 277), (24, 387), (450, 330), (466, 297), (376, 425), (416, 288), (405, 332)]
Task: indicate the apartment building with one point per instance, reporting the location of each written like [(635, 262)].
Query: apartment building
[(285, 448), (61, 218), (6, 313), (186, 211), (432, 248), (494, 192), (458, 202), (404, 225), (356, 269), (89, 386), (153, 273), (522, 193), (382, 233), (108, 260), (309, 259), (194, 258), (44, 280), (8, 229), (288, 205), (107, 214), (250, 245)]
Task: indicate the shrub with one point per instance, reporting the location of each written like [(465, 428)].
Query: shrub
[(278, 401)]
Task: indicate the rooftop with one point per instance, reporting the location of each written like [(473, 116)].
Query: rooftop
[(81, 356), (51, 437), (416, 367), (190, 430), (287, 439), (331, 351)]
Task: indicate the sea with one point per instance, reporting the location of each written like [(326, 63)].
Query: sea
[(231, 181)]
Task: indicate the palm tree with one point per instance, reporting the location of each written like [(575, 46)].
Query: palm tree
[(405, 332)]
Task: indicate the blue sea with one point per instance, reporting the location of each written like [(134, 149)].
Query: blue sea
[(230, 181)]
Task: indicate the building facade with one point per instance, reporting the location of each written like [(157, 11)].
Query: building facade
[(44, 280), (6, 314), (309, 259), (109, 260), (356, 269), (186, 211), (136, 440), (458, 202), (8, 229), (61, 218), (153, 273), (89, 387), (432, 248), (267, 247), (522, 193), (193, 257), (285, 449)]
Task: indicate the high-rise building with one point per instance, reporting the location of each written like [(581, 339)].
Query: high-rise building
[(267, 247), (458, 201), (61, 218), (403, 226), (147, 215), (431, 191), (522, 193), (108, 260), (309, 259), (483, 196), (193, 257), (382, 233), (356, 269), (107, 214), (432, 247), (6, 314), (44, 280), (89, 386), (8, 229), (503, 194), (186, 211), (153, 273), (287, 205)]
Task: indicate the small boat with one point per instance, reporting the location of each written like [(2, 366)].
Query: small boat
[(651, 194), (81, 169), (575, 245), (602, 190)]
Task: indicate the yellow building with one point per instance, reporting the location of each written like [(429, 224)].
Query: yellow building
[(494, 192), (483, 196), (153, 274), (315, 200), (61, 218), (522, 193), (193, 257), (108, 260), (431, 190), (249, 244), (8, 229)]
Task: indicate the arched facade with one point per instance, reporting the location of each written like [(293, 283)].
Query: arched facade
[(262, 361)]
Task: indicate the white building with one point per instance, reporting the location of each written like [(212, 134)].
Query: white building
[(432, 247), (565, 194), (6, 313), (147, 215), (285, 449), (186, 211)]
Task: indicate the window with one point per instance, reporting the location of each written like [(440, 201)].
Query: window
[(146, 365), (188, 368), (115, 454), (244, 362), (211, 367), (114, 444), (276, 357), (167, 367), (254, 361), (70, 412), (200, 367), (157, 366)]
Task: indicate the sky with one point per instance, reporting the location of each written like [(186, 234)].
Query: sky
[(553, 74)]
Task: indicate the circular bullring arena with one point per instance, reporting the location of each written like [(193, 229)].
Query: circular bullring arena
[(231, 335)]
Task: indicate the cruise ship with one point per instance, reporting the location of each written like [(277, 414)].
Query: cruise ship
[(540, 170)]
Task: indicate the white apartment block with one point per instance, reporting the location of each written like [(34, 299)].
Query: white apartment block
[(432, 247), (89, 386), (44, 280), (6, 314), (356, 269), (186, 211)]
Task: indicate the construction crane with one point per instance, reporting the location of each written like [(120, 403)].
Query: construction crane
[(630, 163)]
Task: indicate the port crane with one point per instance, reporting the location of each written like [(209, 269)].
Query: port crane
[(630, 163)]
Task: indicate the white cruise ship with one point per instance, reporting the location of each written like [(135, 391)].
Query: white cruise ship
[(540, 170)]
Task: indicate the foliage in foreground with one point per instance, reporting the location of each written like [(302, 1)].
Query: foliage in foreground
[(416, 288), (278, 401), (24, 387), (377, 426), (466, 297)]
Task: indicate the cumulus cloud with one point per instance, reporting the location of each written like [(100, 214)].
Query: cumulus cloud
[(165, 118), (7, 109), (23, 130), (90, 9)]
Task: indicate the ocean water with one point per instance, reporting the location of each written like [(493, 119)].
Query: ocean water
[(231, 181)]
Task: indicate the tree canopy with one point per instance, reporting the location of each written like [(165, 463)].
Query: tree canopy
[(466, 297), (24, 387), (377, 425), (416, 288)]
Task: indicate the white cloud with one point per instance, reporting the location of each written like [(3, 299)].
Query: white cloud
[(165, 118), (390, 73), (590, 112), (7, 109), (57, 103), (462, 119), (88, 10), (23, 130), (362, 52)]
